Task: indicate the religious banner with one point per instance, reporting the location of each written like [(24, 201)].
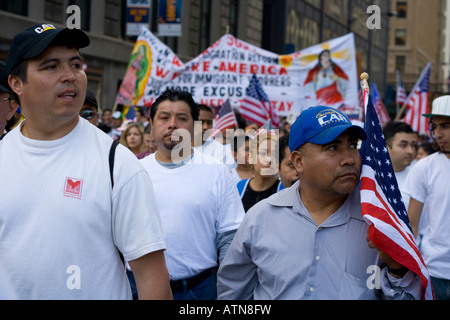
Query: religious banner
[(152, 65), (224, 70), (329, 75)]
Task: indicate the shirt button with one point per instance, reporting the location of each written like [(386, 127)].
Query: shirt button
[(317, 258), (311, 289)]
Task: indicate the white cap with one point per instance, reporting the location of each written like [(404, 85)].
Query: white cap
[(117, 115), (441, 107)]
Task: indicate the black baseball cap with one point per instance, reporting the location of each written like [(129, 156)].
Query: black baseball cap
[(91, 98), (36, 39), (4, 86)]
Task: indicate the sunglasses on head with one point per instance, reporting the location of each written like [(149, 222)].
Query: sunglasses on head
[(87, 114)]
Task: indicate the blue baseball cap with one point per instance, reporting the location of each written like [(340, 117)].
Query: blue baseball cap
[(320, 125)]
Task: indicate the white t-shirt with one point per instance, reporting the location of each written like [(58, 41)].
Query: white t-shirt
[(196, 202), (401, 177), (428, 182), (59, 222), (218, 151)]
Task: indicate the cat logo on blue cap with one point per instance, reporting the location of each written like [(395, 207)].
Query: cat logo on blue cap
[(330, 116)]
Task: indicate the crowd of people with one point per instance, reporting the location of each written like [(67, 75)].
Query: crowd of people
[(157, 208)]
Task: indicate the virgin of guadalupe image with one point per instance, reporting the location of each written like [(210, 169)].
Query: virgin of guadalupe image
[(327, 80), (136, 76)]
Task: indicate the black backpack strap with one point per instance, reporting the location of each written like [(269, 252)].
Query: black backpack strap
[(112, 153), (2, 136)]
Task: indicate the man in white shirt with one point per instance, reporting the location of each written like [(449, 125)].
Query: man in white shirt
[(197, 199), (65, 218), (401, 142), (427, 185)]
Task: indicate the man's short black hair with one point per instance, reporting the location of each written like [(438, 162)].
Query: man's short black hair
[(394, 127), (282, 143), (204, 107), (174, 96)]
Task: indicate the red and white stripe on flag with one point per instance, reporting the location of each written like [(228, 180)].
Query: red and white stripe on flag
[(225, 118), (254, 110), (225, 122), (417, 105)]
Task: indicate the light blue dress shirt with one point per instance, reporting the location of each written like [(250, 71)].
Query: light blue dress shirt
[(279, 252)]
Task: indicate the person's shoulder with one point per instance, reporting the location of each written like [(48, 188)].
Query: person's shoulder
[(427, 163), (150, 164), (286, 197)]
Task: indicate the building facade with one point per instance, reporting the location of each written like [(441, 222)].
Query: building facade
[(417, 36), (280, 26)]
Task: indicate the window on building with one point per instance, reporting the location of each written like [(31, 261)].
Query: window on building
[(400, 62), (400, 37), (85, 8), (234, 15), (205, 24), (401, 9), (15, 6), (54, 11)]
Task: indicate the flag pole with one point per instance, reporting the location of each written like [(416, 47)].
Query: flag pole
[(365, 88), (397, 117)]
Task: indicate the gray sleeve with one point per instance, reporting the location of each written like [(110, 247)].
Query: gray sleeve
[(236, 278), (407, 288), (223, 242)]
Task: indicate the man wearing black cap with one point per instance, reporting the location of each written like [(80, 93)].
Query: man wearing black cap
[(7, 105), (309, 241), (89, 110), (65, 218)]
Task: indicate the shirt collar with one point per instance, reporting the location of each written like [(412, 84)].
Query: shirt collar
[(290, 198)]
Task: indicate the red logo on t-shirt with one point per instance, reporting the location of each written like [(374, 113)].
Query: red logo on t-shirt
[(73, 188)]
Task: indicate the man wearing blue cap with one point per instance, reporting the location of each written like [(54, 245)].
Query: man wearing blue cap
[(63, 222), (310, 241)]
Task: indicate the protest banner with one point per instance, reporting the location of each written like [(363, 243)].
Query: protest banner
[(329, 75), (224, 70)]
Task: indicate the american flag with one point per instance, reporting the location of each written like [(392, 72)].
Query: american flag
[(225, 118), (382, 206), (131, 114), (266, 128), (256, 105), (401, 92), (379, 106), (417, 103)]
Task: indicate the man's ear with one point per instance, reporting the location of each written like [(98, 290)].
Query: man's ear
[(297, 158), (16, 84)]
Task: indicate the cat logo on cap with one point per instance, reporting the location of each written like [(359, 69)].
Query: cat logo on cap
[(330, 116), (45, 27)]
